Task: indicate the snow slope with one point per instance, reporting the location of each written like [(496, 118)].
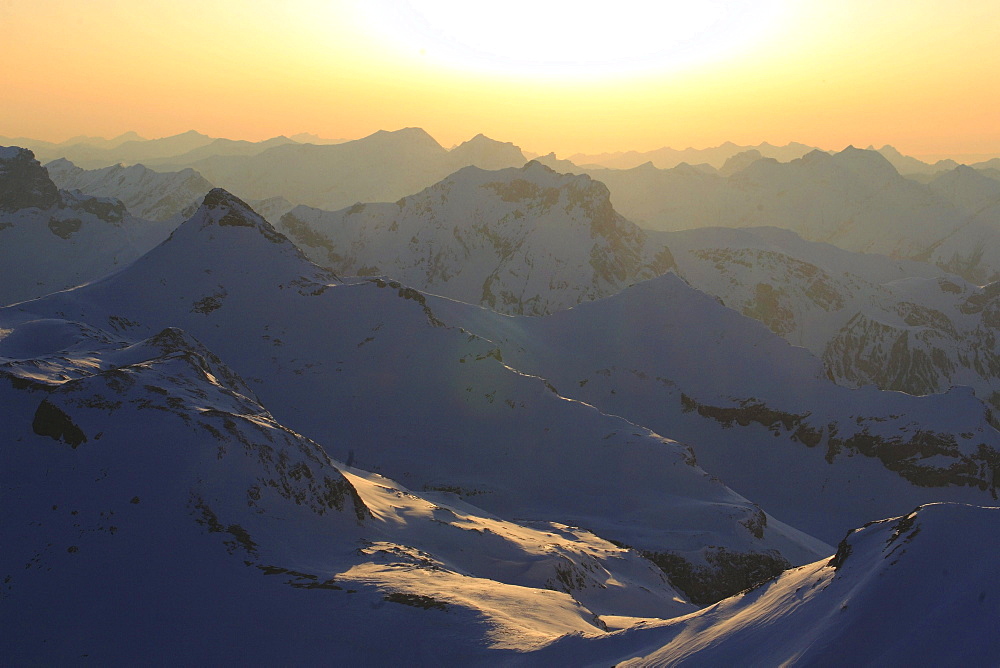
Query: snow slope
[(156, 458), (913, 590)]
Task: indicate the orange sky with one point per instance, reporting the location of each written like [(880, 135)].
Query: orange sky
[(922, 75)]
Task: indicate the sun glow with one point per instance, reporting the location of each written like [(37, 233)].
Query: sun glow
[(579, 38)]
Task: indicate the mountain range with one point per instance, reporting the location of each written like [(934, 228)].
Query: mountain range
[(461, 407)]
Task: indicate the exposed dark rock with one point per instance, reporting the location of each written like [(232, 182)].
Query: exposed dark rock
[(64, 229), (416, 601), (24, 183), (726, 574), (903, 453), (109, 210), (844, 549), (304, 235), (239, 214), (51, 421)]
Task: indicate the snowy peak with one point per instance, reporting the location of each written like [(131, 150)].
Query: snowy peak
[(224, 253), (524, 240), (24, 183), (221, 208)]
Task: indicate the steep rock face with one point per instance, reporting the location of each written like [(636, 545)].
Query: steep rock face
[(146, 194), (24, 183), (525, 241), (919, 349)]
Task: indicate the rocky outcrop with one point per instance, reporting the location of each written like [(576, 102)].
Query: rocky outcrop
[(24, 183)]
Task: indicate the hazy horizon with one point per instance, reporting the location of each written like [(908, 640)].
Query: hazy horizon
[(577, 77), (963, 158)]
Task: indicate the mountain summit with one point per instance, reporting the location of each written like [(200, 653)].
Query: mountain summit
[(521, 240)]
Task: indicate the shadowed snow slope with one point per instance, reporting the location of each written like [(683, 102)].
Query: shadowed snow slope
[(148, 497), (758, 412)]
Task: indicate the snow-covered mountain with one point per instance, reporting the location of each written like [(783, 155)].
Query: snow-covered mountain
[(896, 324), (352, 365), (920, 589), (760, 414), (473, 238), (154, 456), (146, 194), (524, 510), (52, 239), (519, 240), (379, 168)]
